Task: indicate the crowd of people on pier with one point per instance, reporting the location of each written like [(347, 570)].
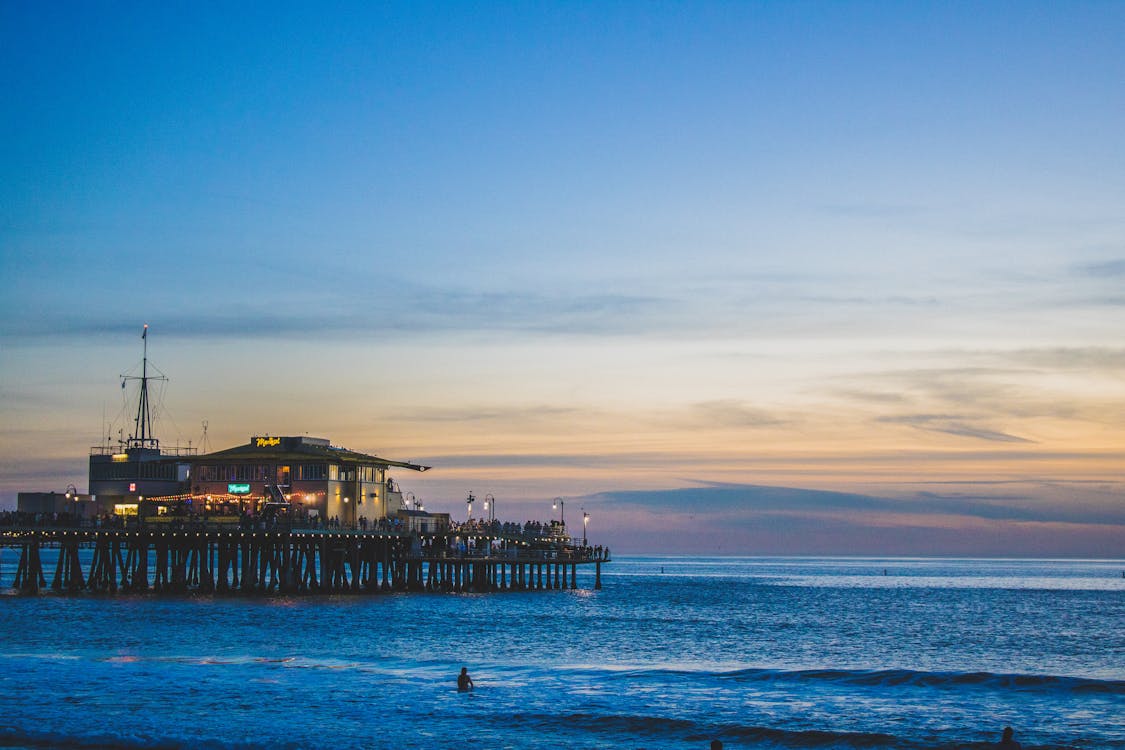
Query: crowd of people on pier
[(333, 522), (529, 529), (461, 544)]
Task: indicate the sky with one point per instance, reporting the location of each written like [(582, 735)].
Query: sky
[(746, 278)]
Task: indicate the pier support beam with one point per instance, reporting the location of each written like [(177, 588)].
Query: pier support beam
[(173, 559)]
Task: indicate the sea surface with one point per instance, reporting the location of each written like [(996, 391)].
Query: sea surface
[(671, 653)]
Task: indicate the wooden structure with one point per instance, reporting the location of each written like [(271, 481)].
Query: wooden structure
[(287, 561)]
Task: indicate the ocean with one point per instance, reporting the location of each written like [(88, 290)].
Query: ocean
[(672, 653)]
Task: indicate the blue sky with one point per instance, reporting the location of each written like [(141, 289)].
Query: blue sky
[(577, 249)]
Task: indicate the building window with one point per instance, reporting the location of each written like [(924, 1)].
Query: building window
[(312, 472), (333, 472)]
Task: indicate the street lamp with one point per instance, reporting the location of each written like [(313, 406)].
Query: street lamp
[(72, 494), (490, 506), (469, 502), (585, 523), (559, 505)]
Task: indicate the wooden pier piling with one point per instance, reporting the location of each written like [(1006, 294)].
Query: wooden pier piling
[(288, 561)]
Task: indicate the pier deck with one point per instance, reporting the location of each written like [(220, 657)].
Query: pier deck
[(288, 561)]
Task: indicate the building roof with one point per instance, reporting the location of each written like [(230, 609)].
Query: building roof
[(302, 448)]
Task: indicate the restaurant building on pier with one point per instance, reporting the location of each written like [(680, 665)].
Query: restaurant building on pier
[(308, 474)]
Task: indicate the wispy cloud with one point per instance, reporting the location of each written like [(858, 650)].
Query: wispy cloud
[(881, 398), (46, 474), (734, 413), (1107, 268), (1085, 359), (829, 465), (390, 313), (718, 497), (750, 500), (478, 414), (538, 460), (962, 396), (952, 425)]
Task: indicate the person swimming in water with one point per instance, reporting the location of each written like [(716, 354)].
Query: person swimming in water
[(464, 682), (1007, 741)]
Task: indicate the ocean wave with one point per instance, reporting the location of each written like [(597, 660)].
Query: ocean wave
[(16, 739), (11, 738), (618, 725), (987, 680), (899, 678), (1027, 682), (819, 738), (699, 734)]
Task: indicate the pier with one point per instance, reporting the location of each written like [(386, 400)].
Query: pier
[(212, 560), (275, 515)]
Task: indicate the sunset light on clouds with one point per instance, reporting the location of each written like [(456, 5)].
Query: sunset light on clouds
[(786, 278)]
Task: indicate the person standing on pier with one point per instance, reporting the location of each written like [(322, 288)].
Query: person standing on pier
[(464, 682)]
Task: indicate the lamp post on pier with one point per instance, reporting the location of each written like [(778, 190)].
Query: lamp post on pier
[(490, 507), (585, 523), (72, 496), (469, 503), (560, 505)]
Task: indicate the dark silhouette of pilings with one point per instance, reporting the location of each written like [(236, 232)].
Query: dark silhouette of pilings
[(223, 561)]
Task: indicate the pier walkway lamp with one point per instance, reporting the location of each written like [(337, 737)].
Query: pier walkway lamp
[(490, 506), (585, 523), (469, 503), (559, 505), (72, 496)]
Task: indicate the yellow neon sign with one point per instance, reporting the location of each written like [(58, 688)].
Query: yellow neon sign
[(266, 442)]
